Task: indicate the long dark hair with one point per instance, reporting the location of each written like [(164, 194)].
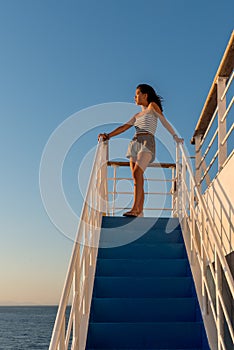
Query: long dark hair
[(152, 96)]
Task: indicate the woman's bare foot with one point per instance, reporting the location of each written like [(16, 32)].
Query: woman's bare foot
[(134, 213)]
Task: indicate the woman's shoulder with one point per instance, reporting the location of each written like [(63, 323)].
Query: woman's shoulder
[(133, 119), (153, 107), (139, 114)]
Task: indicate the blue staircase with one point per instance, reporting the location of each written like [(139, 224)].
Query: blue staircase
[(144, 296)]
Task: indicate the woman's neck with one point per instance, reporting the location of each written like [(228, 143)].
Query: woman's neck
[(144, 107)]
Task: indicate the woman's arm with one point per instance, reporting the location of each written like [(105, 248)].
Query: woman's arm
[(165, 122), (118, 130)]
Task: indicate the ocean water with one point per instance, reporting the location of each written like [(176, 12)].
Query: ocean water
[(26, 327)]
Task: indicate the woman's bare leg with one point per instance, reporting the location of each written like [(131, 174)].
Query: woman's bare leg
[(132, 167), (132, 164), (138, 169)]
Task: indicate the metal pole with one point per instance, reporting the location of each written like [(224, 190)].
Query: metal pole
[(222, 127), (76, 291), (177, 179), (218, 289), (198, 161), (114, 190)]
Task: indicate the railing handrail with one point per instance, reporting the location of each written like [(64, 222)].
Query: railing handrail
[(228, 85), (203, 257), (61, 334), (59, 325), (151, 165), (220, 133), (216, 109), (208, 216), (162, 165), (225, 69), (208, 128)]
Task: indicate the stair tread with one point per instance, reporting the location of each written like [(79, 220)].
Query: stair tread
[(139, 222), (151, 335), (117, 236), (155, 325), (137, 244), (142, 267), (142, 286), (146, 251), (142, 309), (146, 245)]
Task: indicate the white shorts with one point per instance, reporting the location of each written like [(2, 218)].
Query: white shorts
[(141, 143)]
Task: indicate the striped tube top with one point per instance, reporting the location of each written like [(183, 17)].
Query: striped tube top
[(146, 122)]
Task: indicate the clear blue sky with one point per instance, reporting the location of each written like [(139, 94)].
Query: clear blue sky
[(61, 56)]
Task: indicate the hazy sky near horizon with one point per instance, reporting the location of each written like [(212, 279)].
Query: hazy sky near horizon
[(59, 57)]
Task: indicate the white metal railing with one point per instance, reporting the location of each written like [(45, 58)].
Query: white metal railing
[(77, 292), (213, 148), (163, 187), (71, 324), (212, 275), (207, 258)]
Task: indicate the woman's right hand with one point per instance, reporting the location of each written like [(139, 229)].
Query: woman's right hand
[(103, 137), (178, 139)]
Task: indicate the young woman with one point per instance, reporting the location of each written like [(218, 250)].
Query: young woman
[(141, 150)]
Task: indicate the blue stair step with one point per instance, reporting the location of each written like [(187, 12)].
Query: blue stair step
[(143, 267), (146, 287), (143, 296), (145, 335), (119, 235), (141, 224), (143, 310), (144, 251), (159, 236), (117, 231)]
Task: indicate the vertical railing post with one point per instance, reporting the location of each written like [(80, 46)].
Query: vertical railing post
[(102, 185), (86, 261), (76, 292), (114, 189), (182, 193), (183, 180), (174, 193), (86, 281), (192, 220), (203, 266), (177, 181), (218, 289), (222, 127), (105, 179), (62, 336), (198, 161)]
